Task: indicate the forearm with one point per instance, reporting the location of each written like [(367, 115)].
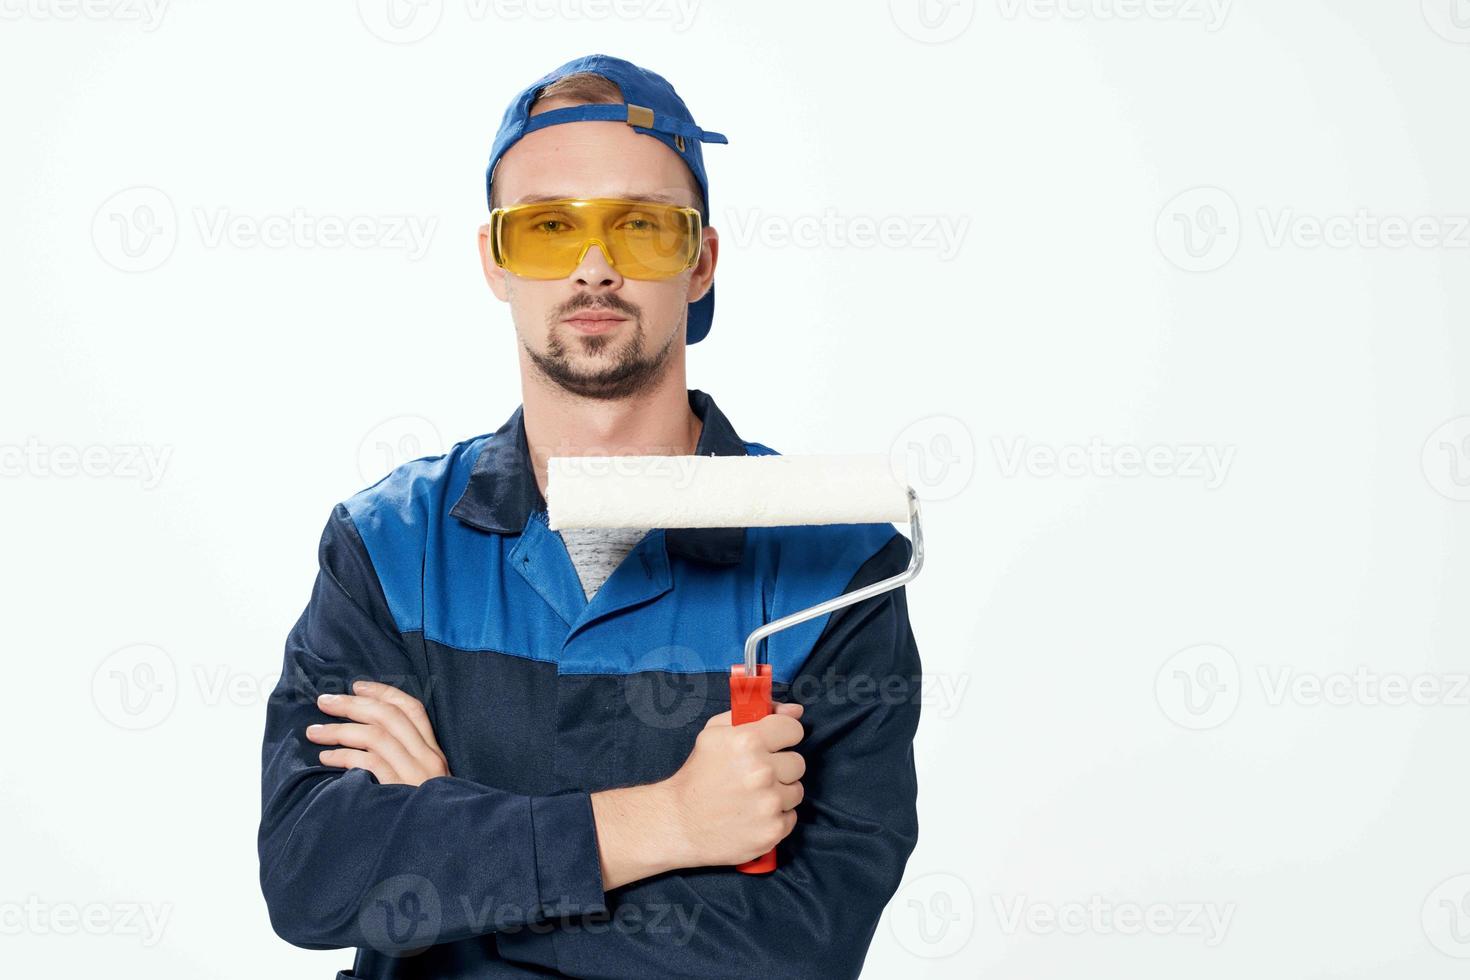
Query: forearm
[(334, 848), (638, 834)]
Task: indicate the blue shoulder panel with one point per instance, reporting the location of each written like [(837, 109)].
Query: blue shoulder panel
[(478, 591), (397, 516)]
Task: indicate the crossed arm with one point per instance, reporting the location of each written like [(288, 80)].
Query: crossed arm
[(336, 828), (734, 799)]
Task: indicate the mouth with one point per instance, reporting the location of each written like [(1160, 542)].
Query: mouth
[(593, 321)]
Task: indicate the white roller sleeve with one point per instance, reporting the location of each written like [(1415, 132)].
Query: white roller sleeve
[(722, 491)]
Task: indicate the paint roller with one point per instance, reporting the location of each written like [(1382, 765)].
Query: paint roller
[(739, 491)]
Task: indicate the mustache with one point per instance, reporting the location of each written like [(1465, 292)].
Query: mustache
[(613, 304)]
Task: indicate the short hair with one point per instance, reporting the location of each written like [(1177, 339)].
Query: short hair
[(587, 88)]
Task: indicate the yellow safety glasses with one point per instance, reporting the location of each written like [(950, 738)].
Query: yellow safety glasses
[(641, 239)]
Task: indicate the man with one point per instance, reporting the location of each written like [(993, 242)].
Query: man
[(498, 750)]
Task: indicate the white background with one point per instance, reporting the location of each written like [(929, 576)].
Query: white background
[(1123, 711)]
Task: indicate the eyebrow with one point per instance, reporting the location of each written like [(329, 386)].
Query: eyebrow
[(626, 195)]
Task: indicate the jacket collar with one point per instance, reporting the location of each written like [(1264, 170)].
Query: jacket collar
[(502, 494)]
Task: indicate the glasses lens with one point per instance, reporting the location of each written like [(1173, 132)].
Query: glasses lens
[(651, 242), (645, 240), (542, 241)]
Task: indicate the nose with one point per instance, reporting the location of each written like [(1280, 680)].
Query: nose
[(596, 270)]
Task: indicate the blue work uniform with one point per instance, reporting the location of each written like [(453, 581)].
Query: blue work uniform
[(443, 579)]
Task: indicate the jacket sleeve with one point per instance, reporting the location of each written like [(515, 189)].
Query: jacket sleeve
[(815, 915), (347, 861)]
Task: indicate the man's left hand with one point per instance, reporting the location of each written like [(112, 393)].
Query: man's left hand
[(392, 737)]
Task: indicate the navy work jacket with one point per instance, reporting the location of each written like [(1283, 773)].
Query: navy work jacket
[(444, 580)]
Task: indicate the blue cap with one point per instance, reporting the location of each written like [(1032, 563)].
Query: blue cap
[(650, 105)]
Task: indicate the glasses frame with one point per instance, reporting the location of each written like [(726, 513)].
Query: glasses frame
[(497, 223)]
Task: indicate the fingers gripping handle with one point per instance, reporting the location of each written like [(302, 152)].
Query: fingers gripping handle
[(750, 700)]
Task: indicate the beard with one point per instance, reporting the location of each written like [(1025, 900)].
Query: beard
[(620, 366)]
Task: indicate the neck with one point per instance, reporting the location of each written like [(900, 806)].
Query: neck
[(655, 422)]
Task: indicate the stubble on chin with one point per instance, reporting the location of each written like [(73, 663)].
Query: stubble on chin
[(603, 366)]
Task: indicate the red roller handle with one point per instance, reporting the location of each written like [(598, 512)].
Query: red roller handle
[(750, 700)]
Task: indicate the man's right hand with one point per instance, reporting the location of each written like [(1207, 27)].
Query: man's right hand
[(733, 800), (735, 797)]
